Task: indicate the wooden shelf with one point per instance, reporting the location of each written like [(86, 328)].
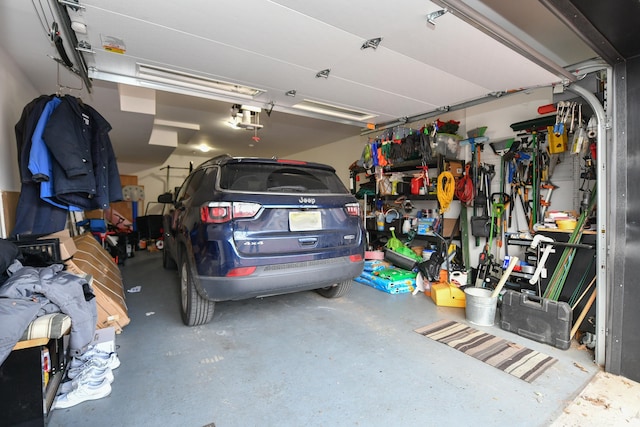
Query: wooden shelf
[(31, 343)]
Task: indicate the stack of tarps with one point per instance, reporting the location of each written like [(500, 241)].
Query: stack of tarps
[(392, 280)]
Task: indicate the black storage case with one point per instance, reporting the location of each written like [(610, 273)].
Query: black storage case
[(536, 318)]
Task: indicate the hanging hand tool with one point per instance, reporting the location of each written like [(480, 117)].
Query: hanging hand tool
[(539, 238), (484, 266), (546, 109), (523, 203), (580, 136), (558, 128), (466, 254), (503, 199), (546, 202), (535, 182), (498, 207), (511, 167), (573, 116), (425, 177), (592, 127), (480, 223)]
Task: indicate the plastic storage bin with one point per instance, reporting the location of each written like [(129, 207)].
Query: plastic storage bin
[(448, 145)]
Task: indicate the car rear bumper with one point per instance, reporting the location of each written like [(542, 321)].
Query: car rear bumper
[(280, 279)]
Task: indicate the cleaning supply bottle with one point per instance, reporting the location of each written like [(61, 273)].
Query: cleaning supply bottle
[(380, 221), (406, 225)]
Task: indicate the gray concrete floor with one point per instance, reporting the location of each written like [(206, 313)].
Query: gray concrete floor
[(303, 360)]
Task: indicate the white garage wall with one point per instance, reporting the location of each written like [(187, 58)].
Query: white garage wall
[(155, 180), (340, 154), (15, 93)]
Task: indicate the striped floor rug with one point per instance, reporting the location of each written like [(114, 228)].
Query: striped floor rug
[(512, 358)]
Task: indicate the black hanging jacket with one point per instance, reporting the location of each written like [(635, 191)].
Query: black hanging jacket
[(24, 130), (85, 172), (33, 215)]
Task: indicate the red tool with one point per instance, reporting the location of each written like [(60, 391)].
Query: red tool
[(546, 109)]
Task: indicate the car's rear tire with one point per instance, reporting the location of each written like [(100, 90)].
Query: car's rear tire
[(337, 290), (167, 261), (195, 309)]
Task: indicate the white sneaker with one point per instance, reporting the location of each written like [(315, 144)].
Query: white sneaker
[(91, 354), (93, 374), (112, 363), (85, 391)]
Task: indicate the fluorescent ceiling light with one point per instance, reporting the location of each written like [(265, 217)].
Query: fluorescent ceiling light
[(197, 86), (175, 124), (333, 110), (192, 81)]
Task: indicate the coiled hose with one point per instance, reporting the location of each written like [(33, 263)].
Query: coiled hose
[(445, 190), (465, 190)]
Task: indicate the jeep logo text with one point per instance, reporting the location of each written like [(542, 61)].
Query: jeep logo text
[(307, 200)]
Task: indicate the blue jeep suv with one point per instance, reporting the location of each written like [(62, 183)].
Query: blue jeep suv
[(249, 227)]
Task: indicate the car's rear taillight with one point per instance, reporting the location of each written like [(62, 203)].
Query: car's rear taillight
[(220, 212), (216, 213), (245, 210), (355, 258), (242, 271), (353, 209)]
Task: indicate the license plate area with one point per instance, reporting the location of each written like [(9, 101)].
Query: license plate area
[(305, 221)]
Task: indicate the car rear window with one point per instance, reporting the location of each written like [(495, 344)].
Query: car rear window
[(277, 178)]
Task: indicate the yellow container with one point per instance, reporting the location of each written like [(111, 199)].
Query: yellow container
[(566, 224), (446, 295), (557, 144)]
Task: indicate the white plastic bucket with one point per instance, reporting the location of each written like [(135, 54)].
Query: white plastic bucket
[(480, 308)]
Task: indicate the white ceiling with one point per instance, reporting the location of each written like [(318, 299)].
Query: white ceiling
[(279, 46)]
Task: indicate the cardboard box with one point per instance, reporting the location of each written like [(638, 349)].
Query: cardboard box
[(456, 169), (9, 200), (91, 258), (449, 228), (94, 214), (67, 246), (105, 339), (425, 225)]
